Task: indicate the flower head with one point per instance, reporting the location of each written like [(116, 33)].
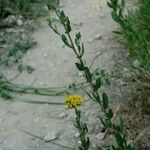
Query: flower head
[(73, 101)]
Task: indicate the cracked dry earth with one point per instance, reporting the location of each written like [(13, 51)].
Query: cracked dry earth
[(54, 64)]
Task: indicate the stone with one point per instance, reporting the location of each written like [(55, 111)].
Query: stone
[(51, 136), (77, 23), (98, 37), (19, 22), (77, 134), (62, 115), (102, 16), (10, 20), (61, 5), (45, 55), (136, 63), (79, 142), (80, 74), (20, 17), (45, 8), (100, 136)]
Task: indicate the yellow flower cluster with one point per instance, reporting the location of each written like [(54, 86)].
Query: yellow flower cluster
[(73, 101)]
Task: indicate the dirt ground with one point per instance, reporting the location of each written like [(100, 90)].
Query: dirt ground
[(53, 63)]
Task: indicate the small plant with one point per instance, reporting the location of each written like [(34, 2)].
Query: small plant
[(138, 41), (72, 102), (17, 52), (4, 92), (27, 8), (95, 83), (135, 28)]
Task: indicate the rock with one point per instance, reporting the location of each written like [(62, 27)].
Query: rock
[(136, 63), (80, 74), (79, 142), (102, 16), (29, 25), (20, 17), (77, 23), (100, 136), (61, 5), (98, 37), (51, 136), (45, 55), (62, 115), (42, 84), (77, 134), (5, 46), (45, 8), (19, 22), (10, 20)]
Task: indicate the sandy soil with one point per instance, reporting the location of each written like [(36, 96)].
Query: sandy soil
[(54, 67)]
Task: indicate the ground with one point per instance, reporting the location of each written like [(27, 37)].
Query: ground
[(54, 67)]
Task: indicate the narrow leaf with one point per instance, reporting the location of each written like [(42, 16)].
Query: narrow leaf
[(105, 100), (79, 66)]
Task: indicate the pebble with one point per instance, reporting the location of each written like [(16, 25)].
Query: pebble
[(99, 136), (76, 23), (45, 55), (136, 63), (20, 17), (62, 115), (45, 8), (53, 135), (77, 134), (79, 142), (80, 74), (10, 20), (42, 84), (98, 37), (5, 46), (102, 16), (19, 22), (61, 5)]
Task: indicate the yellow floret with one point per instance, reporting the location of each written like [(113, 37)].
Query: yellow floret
[(73, 101)]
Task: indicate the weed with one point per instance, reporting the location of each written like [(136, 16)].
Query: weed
[(95, 83), (135, 28), (136, 31), (17, 51), (27, 8)]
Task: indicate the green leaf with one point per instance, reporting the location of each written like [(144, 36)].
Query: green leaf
[(120, 139), (117, 32), (109, 4), (82, 50), (115, 17), (78, 35), (64, 39), (62, 15), (103, 122), (88, 75), (98, 82), (79, 66), (68, 25), (110, 113), (105, 100), (53, 4), (123, 3), (78, 41)]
